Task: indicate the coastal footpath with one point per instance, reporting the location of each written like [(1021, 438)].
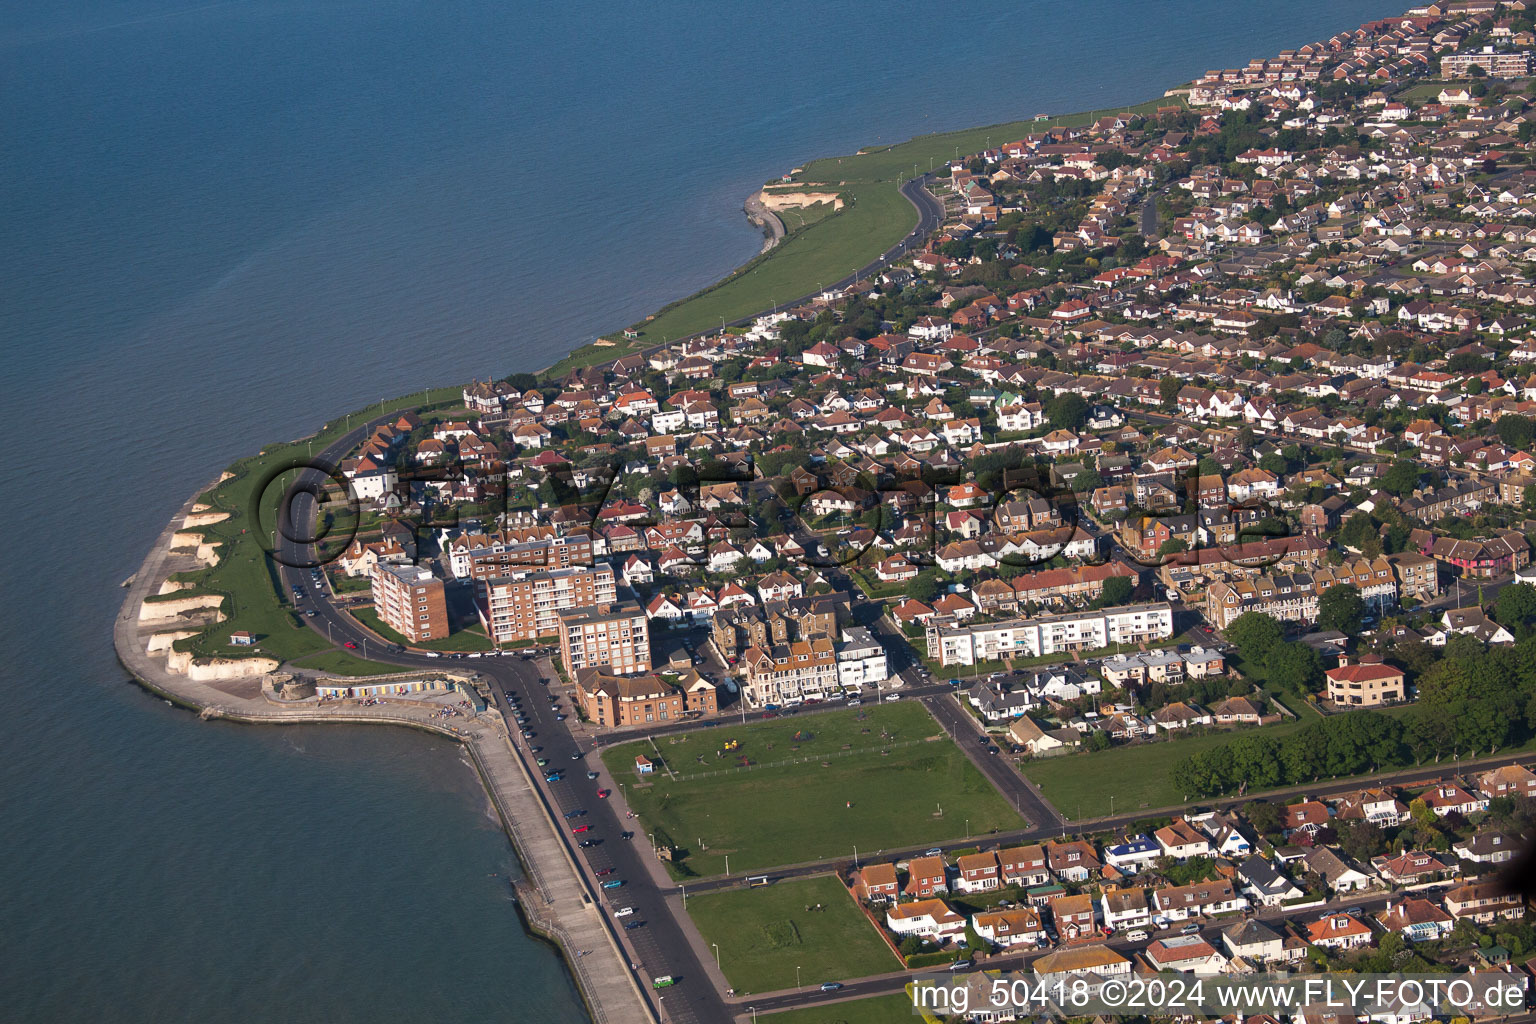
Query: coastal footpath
[(557, 904)]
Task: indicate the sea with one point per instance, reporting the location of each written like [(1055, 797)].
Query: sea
[(223, 223)]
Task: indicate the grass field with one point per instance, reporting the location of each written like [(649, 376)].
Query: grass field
[(892, 1009), (875, 218), (464, 640), (765, 933), (820, 808), (342, 663), (1080, 785), (245, 575)]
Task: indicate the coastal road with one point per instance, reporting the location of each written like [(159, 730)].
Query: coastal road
[(660, 946)]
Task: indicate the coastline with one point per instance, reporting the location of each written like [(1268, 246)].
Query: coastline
[(571, 916)]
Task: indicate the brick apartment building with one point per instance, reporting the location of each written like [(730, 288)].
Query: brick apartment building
[(410, 601), (613, 638), (525, 606)]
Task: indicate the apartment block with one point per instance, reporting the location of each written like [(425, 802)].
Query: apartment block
[(1049, 634), (525, 606), (1498, 65), (627, 700), (410, 601), (612, 638)]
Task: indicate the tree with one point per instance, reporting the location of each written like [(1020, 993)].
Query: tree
[(1168, 390), (1173, 546), (1295, 668), (1067, 411), (922, 587), (1117, 590), (1401, 480), (1516, 606), (1255, 634), (1342, 608)]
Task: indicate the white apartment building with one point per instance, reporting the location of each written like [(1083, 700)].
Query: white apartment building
[(1049, 634)]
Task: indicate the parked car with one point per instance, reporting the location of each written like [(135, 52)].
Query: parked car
[(579, 829), (831, 986), (624, 912)]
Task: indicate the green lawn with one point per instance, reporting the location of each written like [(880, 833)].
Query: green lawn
[(472, 639), (783, 814), (245, 575), (799, 217), (875, 217), (766, 932), (1080, 785), (885, 163), (343, 663), (891, 1009)]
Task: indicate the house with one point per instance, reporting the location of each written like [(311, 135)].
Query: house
[(1181, 841), (977, 872), (1126, 908), (1368, 684), (1073, 861), (1202, 899), (1488, 848), (1338, 932), (1018, 926), (1447, 797), (1252, 940), (1131, 856), (930, 919), (1073, 919), (1307, 816), (1509, 780), (1410, 867), (1188, 954), (1265, 882), (1338, 875), (1035, 740), (1483, 903), (1065, 965), (1416, 919), (1023, 865), (926, 876), (878, 882)]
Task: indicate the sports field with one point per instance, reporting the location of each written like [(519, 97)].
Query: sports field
[(872, 777)]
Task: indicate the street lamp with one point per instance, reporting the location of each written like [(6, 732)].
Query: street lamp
[(716, 945), (797, 976), (727, 864)]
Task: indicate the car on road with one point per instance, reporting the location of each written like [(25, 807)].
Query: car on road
[(349, 645), (434, 654), (855, 702), (632, 925), (623, 911), (662, 982), (955, 683), (534, 750), (1189, 929), (554, 777), (575, 755), (991, 750), (541, 762), (962, 965), (588, 843), (578, 812), (934, 852), (602, 794), (831, 986), (591, 775), (579, 829), (559, 718), (614, 883), (626, 835), (311, 613), (528, 734), (893, 696)]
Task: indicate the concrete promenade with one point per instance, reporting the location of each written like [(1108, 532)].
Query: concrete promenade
[(559, 904)]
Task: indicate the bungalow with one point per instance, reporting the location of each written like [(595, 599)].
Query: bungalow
[(1338, 875), (1417, 920), (1188, 954), (1339, 932), (1266, 883)]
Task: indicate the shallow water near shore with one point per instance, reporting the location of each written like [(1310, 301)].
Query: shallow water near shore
[(227, 222)]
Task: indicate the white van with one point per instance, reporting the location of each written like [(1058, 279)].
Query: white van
[(625, 912)]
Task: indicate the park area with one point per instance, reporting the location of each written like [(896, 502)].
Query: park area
[(875, 1010), (765, 933), (804, 788)]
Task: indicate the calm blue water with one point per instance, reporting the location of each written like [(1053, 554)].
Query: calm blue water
[(221, 223)]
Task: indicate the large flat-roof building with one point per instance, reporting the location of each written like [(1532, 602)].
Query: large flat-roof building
[(525, 605), (1049, 634), (613, 638), (410, 601)]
